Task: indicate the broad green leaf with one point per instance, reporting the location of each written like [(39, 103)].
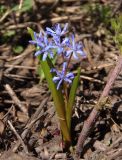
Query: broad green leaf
[(71, 99), (57, 97)]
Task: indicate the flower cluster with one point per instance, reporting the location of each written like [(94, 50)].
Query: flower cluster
[(65, 46)]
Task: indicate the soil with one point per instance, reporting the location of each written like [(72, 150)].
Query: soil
[(29, 127)]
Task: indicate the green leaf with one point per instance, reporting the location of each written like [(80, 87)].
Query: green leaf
[(71, 99), (9, 33), (2, 10), (27, 5), (57, 97), (116, 24), (31, 32), (18, 49)]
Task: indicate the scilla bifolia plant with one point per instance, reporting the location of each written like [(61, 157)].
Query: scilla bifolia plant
[(62, 83)]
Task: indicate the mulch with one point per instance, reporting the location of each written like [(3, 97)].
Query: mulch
[(29, 128)]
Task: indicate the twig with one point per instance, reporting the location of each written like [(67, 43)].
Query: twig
[(22, 102), (119, 140), (15, 98), (53, 20), (117, 7), (16, 76), (91, 79), (52, 1), (5, 15), (7, 112), (89, 123), (20, 67), (18, 136), (26, 52), (115, 154), (86, 44), (31, 122)]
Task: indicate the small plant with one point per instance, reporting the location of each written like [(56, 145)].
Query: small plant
[(116, 24), (101, 13), (61, 82)]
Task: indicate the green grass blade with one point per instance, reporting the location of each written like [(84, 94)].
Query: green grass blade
[(71, 99)]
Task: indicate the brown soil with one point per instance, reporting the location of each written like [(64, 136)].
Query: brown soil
[(29, 128)]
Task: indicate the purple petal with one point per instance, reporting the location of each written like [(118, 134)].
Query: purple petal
[(79, 46), (50, 31), (59, 74), (65, 29), (58, 29), (81, 53), (38, 53), (45, 56), (55, 79), (74, 55), (45, 40), (68, 53), (70, 75), (47, 48), (65, 41), (35, 36), (64, 67), (59, 50), (73, 41), (40, 34), (58, 86), (51, 54), (55, 70), (32, 42), (56, 40)]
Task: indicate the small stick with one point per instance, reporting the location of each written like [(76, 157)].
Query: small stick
[(16, 76), (26, 52), (18, 136), (91, 79), (89, 123), (20, 67), (88, 53), (115, 154), (15, 98), (118, 141), (31, 122)]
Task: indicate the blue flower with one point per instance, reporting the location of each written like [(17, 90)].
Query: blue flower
[(57, 32), (75, 49), (45, 46), (38, 39), (61, 45), (62, 76)]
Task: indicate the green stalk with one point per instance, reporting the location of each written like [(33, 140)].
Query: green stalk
[(58, 100)]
